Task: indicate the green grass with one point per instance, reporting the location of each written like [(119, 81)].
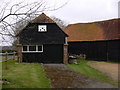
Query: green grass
[(0, 72), (1, 57), (24, 75), (86, 70)]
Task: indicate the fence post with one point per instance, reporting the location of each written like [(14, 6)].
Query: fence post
[(6, 58), (14, 57)]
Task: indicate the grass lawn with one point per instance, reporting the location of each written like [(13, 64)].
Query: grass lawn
[(24, 75), (86, 70), (0, 71)]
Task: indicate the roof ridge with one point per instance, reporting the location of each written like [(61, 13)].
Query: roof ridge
[(96, 21), (42, 18)]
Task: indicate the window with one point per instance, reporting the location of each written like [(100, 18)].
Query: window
[(24, 48), (39, 48), (42, 28), (32, 48)]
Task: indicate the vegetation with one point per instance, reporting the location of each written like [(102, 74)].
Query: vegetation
[(24, 75), (86, 70), (0, 72), (61, 23), (9, 51)]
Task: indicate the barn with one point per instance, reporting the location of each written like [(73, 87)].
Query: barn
[(42, 41), (97, 40)]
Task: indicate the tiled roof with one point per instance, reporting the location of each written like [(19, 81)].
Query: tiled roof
[(102, 30), (42, 18)]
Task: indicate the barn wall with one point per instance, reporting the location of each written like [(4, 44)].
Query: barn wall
[(51, 54), (97, 50), (31, 36)]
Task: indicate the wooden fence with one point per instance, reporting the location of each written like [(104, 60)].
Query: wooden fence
[(6, 58)]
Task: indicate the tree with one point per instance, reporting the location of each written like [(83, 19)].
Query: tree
[(61, 23), (18, 27), (11, 15)]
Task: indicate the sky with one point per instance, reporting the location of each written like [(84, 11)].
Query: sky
[(77, 11), (80, 11), (83, 11)]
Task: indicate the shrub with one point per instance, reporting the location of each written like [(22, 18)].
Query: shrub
[(9, 51)]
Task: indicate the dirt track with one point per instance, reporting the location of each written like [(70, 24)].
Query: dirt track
[(63, 77), (107, 68)]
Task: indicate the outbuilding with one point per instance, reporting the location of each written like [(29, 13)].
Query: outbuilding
[(42, 41), (96, 40)]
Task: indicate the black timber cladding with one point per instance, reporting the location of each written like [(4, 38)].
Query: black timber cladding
[(52, 53), (97, 50), (35, 35), (31, 36)]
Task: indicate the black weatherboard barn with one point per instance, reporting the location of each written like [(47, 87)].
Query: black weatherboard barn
[(97, 40), (42, 41)]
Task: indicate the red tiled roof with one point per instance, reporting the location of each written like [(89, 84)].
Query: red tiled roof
[(102, 30), (42, 18)]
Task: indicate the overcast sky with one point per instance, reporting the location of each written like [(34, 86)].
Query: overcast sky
[(79, 11)]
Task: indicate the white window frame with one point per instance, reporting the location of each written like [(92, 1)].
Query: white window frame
[(45, 26), (33, 51)]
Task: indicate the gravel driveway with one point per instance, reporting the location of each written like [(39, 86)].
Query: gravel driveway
[(63, 77), (109, 69)]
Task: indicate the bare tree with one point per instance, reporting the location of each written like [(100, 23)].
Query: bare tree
[(10, 16), (19, 26), (61, 23)]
